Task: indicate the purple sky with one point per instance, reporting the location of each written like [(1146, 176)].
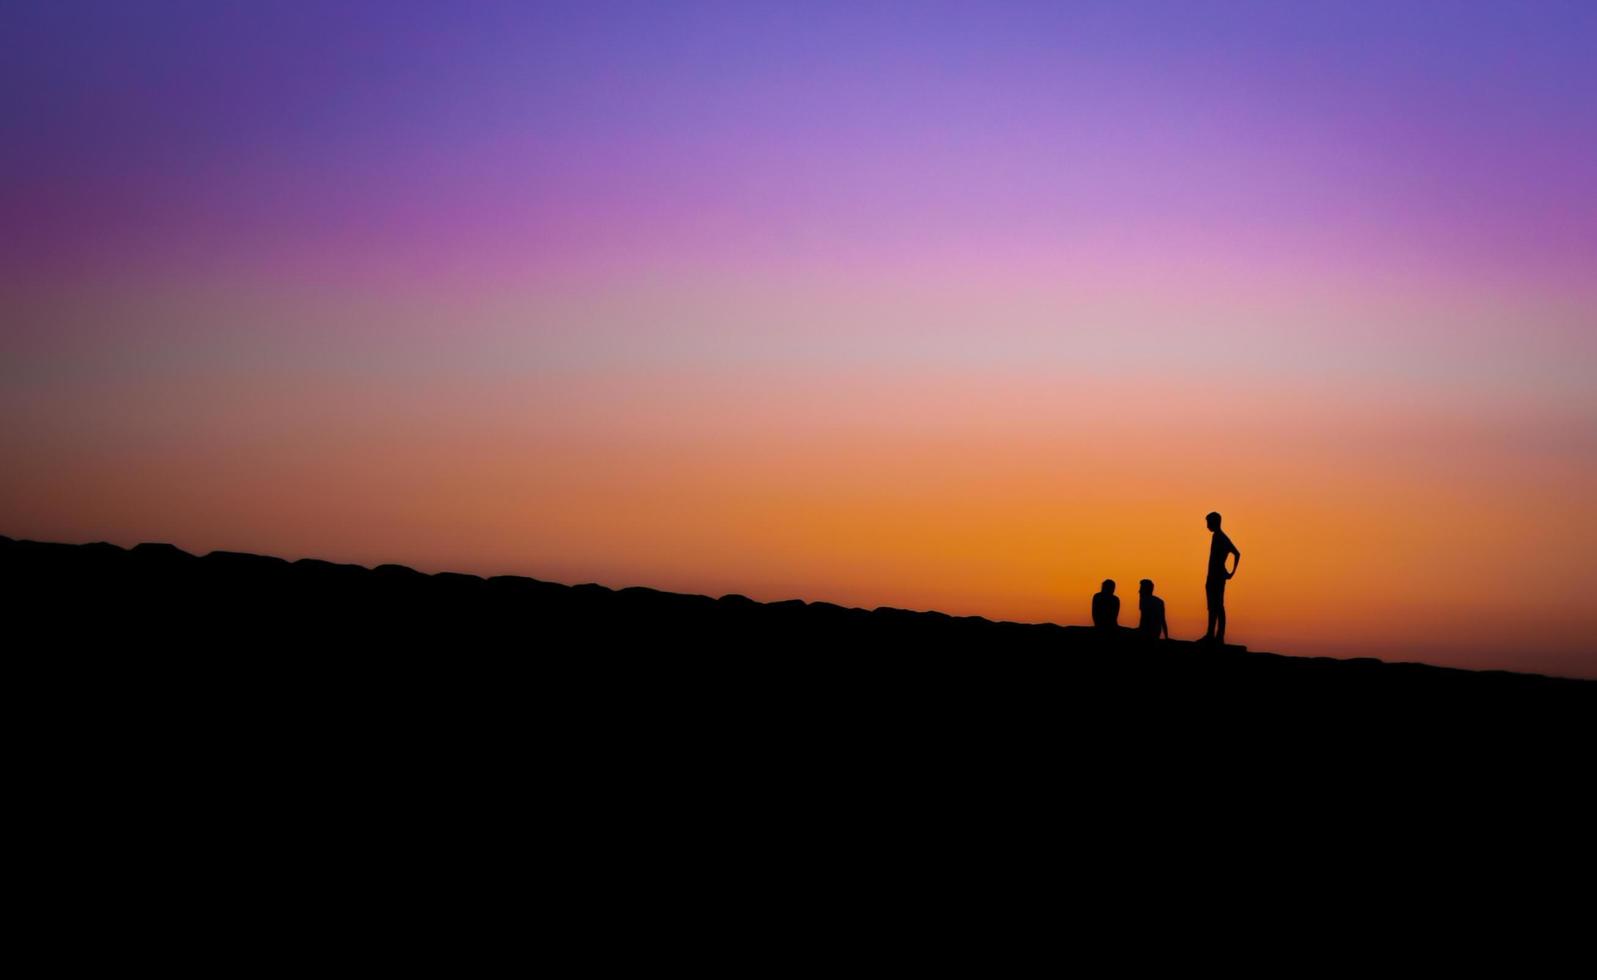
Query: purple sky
[(1360, 224), (402, 139)]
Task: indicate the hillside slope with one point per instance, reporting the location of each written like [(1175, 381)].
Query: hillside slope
[(239, 603)]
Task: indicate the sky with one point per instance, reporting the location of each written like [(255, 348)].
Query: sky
[(941, 306)]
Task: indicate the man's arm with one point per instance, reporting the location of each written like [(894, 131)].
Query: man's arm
[(1237, 562)]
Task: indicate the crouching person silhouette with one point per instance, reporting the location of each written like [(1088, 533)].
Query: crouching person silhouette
[(1151, 625), (1106, 607)]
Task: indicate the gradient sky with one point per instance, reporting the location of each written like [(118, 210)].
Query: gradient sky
[(954, 306)]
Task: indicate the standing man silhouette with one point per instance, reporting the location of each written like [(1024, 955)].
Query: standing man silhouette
[(1220, 548)]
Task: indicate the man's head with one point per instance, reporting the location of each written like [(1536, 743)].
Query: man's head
[(1109, 586), (1145, 586), (1213, 520)]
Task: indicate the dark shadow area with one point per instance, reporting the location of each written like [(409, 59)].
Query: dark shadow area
[(236, 702)]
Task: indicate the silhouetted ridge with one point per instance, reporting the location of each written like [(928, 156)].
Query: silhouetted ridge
[(235, 604)]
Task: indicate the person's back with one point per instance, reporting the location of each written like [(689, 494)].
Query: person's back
[(1220, 548), (1106, 606), (1152, 622)]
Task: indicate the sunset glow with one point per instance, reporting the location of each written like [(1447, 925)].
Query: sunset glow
[(959, 307)]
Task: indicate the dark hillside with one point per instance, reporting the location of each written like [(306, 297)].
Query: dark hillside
[(98, 598)]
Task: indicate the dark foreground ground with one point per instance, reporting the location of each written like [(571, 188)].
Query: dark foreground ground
[(233, 718), (237, 756)]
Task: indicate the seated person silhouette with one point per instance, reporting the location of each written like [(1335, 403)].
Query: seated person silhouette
[(1152, 623), (1106, 607)]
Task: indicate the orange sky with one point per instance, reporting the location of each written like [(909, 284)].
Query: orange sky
[(1392, 523), (962, 306)]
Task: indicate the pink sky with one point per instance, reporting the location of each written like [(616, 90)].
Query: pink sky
[(965, 310)]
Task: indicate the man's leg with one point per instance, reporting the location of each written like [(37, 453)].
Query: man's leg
[(1219, 615)]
